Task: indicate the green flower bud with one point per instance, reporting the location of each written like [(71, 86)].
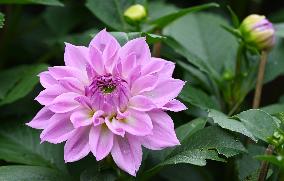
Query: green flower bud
[(258, 32), (228, 75), (135, 14)]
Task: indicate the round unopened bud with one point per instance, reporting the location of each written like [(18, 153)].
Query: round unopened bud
[(258, 32), (135, 13)]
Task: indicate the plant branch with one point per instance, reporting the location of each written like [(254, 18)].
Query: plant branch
[(259, 81)]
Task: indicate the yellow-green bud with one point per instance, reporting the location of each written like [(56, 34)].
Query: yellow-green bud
[(135, 13), (258, 32)]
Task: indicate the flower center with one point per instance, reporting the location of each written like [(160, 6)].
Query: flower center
[(108, 90)]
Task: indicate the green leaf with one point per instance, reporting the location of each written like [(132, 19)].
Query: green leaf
[(157, 9), (273, 109), (279, 29), (93, 174), (21, 144), (234, 17), (30, 173), (201, 39), (167, 19), (231, 124), (17, 82), (275, 62), (123, 38), (205, 144), (1, 20), (248, 167), (259, 123), (198, 98), (43, 2), (276, 160), (111, 12)]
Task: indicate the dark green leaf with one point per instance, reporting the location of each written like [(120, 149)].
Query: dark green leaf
[(123, 38), (248, 167), (111, 12), (280, 29), (235, 19), (43, 2), (205, 144), (18, 82), (273, 109), (201, 39), (21, 144), (30, 173), (259, 123), (1, 20), (231, 124), (276, 160), (167, 19), (198, 98), (94, 174)]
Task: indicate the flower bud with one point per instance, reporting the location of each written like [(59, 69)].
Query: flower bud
[(258, 32), (135, 13)]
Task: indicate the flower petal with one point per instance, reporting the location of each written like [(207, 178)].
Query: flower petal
[(72, 84), (139, 47), (174, 105), (165, 90), (59, 129), (96, 60), (46, 96), (59, 72), (81, 117), (108, 46), (141, 103), (137, 123), (46, 79), (144, 83), (163, 132), (76, 56), (101, 141), (41, 120), (64, 103), (127, 154), (77, 146)]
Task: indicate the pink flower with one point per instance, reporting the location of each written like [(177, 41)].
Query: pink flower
[(109, 99)]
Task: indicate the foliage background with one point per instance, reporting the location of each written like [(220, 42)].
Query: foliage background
[(33, 37)]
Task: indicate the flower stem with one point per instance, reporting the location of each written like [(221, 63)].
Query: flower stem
[(157, 46), (265, 165), (256, 102), (259, 81)]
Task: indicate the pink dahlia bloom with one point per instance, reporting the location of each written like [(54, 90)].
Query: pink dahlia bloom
[(109, 99)]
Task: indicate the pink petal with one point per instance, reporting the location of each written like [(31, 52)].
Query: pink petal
[(139, 47), (46, 96), (153, 66), (76, 56), (168, 68), (165, 90), (127, 154), (64, 103), (58, 130), (84, 101), (141, 103), (128, 64), (46, 79), (137, 123), (81, 117), (96, 60), (144, 83), (101, 141), (41, 120), (115, 127), (106, 44), (77, 146), (72, 84), (163, 132), (59, 72), (175, 106)]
